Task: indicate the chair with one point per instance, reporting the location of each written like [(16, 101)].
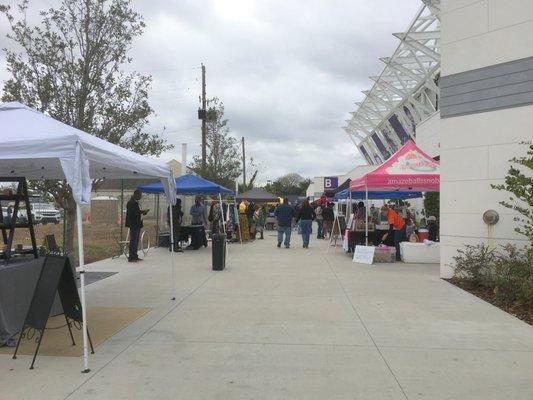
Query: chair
[(51, 245)]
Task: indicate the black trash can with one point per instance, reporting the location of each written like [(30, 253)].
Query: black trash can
[(218, 242)]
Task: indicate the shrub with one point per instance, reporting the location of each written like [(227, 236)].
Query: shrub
[(519, 183), (473, 264), (509, 272), (512, 274)]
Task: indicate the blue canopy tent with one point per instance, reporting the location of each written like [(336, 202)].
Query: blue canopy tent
[(344, 194), (189, 184)]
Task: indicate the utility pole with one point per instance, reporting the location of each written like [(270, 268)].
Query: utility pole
[(204, 128), (243, 165)]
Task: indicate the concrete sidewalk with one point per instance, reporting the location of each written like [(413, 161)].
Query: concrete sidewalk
[(288, 324)]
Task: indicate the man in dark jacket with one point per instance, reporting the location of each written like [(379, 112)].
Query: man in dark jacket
[(134, 221), (284, 214)]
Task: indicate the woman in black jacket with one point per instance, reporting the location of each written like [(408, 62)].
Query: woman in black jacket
[(305, 216)]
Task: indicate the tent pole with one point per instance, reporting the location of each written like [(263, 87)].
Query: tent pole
[(171, 218), (121, 209), (156, 219), (350, 210), (366, 215), (81, 256)]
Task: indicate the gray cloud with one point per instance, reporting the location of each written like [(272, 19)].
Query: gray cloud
[(288, 72)]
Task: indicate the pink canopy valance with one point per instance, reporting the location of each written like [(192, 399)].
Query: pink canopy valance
[(409, 169)]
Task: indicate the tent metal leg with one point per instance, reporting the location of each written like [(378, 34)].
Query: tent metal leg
[(69, 325), (171, 218), (82, 289)]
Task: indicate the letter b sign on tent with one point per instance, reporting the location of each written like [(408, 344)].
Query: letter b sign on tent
[(331, 183)]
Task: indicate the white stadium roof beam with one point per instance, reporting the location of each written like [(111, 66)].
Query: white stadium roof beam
[(405, 88)]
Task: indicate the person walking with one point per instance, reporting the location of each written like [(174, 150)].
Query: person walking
[(397, 224), (319, 222), (250, 211), (306, 216), (328, 216), (284, 214), (134, 221), (260, 220)]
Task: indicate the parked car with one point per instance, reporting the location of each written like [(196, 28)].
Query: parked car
[(44, 213)]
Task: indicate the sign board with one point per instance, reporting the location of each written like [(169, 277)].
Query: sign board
[(56, 276), (331, 182), (363, 254)]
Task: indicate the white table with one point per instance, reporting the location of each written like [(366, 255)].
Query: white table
[(420, 253)]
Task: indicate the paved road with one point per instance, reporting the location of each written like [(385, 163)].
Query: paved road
[(288, 324)]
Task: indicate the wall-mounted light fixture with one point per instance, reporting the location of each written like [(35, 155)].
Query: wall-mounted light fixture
[(491, 217)]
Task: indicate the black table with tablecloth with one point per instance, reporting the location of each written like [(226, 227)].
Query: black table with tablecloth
[(196, 233), (17, 283), (374, 238)]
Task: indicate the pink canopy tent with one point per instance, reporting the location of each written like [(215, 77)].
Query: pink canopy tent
[(409, 169)]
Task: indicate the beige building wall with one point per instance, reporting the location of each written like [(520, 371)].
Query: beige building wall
[(428, 135), (486, 109)]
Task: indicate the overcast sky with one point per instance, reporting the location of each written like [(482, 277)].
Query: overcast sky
[(287, 71)]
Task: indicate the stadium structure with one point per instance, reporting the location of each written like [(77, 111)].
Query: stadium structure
[(404, 94)]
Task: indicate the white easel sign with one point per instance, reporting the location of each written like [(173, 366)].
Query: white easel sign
[(364, 254)]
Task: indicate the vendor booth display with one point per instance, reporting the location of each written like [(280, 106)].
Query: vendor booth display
[(193, 185), (408, 170), (406, 174), (35, 146)]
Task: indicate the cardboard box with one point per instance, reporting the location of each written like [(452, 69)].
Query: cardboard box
[(385, 254)]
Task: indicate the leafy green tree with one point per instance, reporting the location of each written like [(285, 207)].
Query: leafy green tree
[(69, 67), (223, 165), (519, 182), (292, 183)]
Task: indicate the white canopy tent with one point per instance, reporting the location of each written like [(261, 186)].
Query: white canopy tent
[(36, 146)]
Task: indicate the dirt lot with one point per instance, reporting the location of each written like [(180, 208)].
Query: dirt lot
[(100, 240)]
